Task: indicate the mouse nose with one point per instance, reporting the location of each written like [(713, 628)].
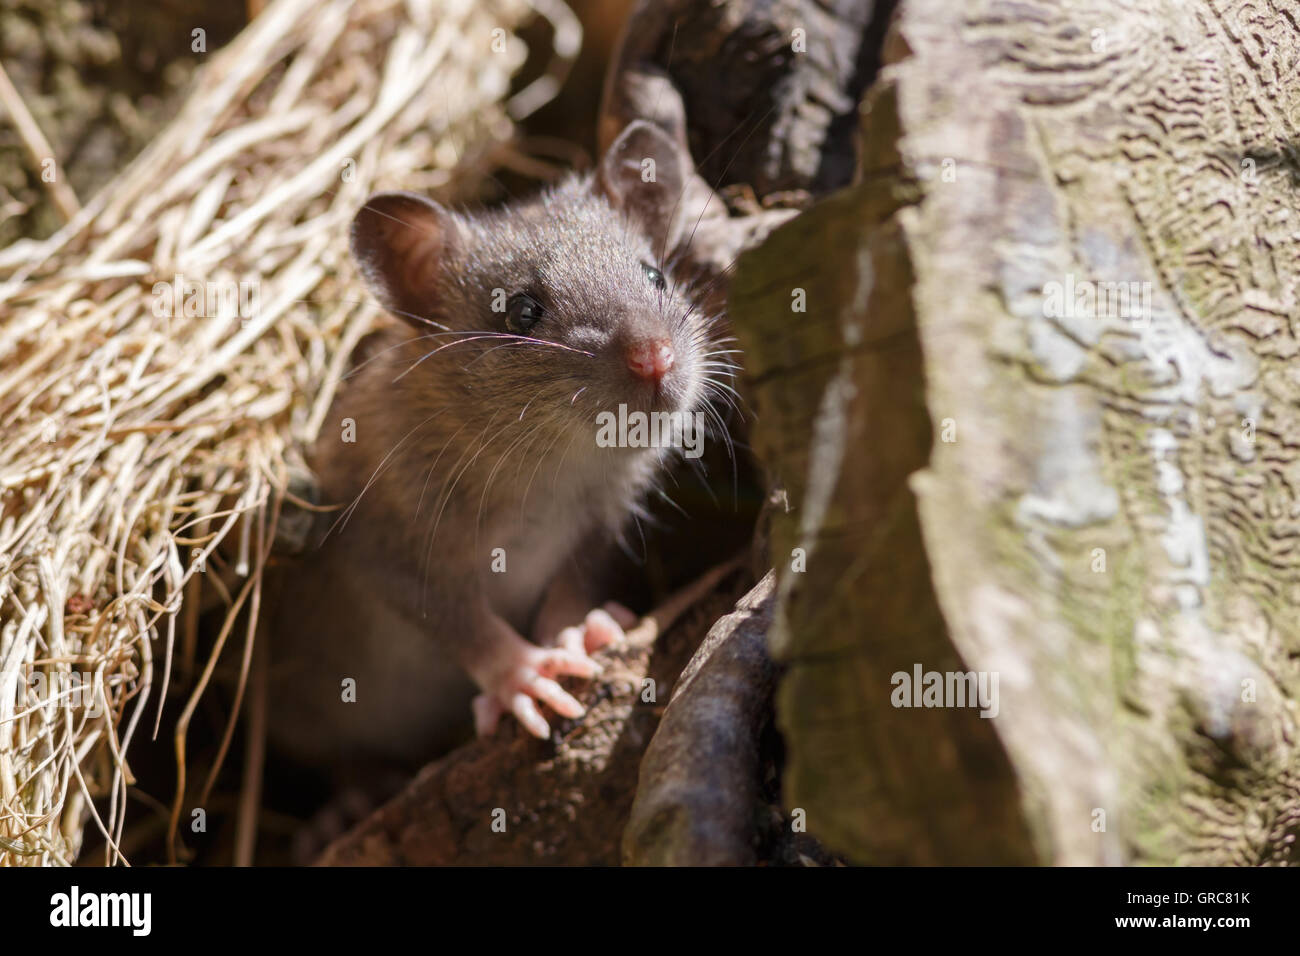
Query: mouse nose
[(650, 359)]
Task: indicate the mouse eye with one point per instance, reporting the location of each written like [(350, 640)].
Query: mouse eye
[(522, 313), (655, 276)]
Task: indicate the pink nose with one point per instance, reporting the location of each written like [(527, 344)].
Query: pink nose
[(650, 358)]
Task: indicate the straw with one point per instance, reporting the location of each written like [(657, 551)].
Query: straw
[(144, 450)]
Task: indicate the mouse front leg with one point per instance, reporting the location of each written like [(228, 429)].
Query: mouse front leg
[(516, 674), (523, 671)]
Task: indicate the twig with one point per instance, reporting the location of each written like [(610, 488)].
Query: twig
[(38, 148), (250, 794)]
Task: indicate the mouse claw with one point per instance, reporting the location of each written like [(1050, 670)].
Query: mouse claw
[(601, 629), (573, 640), (522, 706)]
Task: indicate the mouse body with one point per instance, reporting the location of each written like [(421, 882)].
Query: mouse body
[(476, 451)]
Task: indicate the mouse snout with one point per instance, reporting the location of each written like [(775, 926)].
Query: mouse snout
[(649, 359)]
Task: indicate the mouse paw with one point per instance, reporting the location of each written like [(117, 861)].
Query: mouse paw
[(600, 628), (526, 678)]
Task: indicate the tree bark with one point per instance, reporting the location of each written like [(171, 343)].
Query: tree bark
[(771, 87), (1093, 501), (700, 777)]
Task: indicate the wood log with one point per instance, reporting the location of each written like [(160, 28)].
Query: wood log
[(700, 777), (1038, 423), (767, 116), (771, 87)]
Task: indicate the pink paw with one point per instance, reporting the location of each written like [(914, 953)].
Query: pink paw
[(526, 676)]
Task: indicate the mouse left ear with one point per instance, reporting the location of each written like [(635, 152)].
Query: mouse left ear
[(401, 242), (644, 174)]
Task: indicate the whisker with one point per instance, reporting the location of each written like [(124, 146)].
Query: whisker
[(346, 515), (382, 352), (541, 458), (419, 504), (478, 336), (528, 341), (478, 520)]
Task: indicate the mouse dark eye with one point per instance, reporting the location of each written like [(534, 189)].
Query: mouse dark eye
[(522, 313), (655, 276)]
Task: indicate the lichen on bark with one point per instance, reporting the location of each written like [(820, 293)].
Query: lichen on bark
[(1111, 527)]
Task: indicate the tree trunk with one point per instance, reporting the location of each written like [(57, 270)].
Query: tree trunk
[(998, 459)]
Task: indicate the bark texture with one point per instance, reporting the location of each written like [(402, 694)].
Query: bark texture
[(699, 788), (763, 96), (989, 471), (771, 86)]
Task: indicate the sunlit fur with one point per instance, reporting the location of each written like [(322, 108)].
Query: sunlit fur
[(482, 438), (469, 438)]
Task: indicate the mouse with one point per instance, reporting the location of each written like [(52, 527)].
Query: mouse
[(487, 453)]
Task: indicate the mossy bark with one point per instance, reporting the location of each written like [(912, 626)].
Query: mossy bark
[(1095, 502)]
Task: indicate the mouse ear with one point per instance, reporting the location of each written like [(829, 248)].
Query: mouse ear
[(400, 240), (644, 174)]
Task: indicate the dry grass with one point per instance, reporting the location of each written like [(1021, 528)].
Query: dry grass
[(133, 443)]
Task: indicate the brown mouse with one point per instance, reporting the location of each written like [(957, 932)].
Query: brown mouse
[(482, 470)]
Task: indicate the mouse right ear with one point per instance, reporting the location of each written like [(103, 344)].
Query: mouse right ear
[(399, 240), (645, 174)]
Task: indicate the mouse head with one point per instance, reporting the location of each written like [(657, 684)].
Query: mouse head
[(560, 305)]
